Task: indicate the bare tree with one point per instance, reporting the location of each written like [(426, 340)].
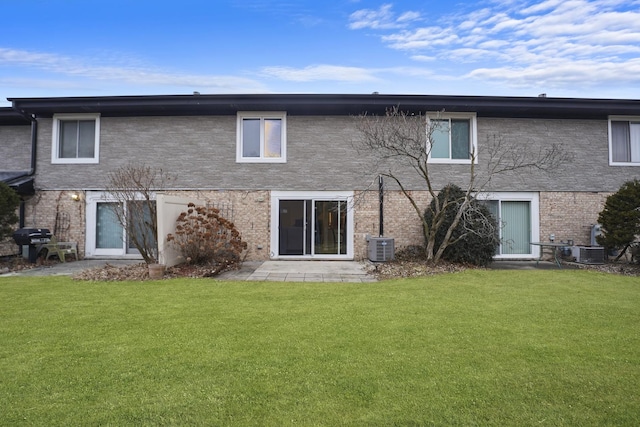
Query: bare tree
[(398, 141), (134, 188)]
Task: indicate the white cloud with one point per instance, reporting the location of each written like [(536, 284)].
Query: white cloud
[(321, 72), (562, 74), (134, 75), (423, 58), (382, 18), (554, 41)]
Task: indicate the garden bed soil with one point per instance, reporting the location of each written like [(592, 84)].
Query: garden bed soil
[(401, 268)]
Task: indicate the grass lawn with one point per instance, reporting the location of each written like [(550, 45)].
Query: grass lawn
[(494, 348)]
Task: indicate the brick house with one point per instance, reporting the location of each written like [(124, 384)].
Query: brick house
[(285, 168)]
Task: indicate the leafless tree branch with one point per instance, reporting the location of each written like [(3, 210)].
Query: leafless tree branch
[(399, 140), (134, 187)]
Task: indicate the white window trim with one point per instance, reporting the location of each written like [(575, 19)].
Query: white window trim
[(610, 136), (472, 117), (534, 203), (55, 143), (92, 200), (261, 115), (344, 196)]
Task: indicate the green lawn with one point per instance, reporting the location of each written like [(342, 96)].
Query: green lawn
[(493, 348)]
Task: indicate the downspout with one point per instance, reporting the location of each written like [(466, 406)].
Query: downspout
[(381, 204), (34, 144), (32, 170)]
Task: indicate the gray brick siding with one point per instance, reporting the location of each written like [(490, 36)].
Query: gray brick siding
[(15, 148)]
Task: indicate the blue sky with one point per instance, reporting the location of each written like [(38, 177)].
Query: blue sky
[(565, 48)]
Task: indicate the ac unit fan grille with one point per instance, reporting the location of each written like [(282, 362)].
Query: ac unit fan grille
[(589, 254), (381, 249)]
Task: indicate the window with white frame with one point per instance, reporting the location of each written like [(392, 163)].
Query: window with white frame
[(624, 141), (261, 137), (453, 138), (76, 138), (105, 235), (518, 217)]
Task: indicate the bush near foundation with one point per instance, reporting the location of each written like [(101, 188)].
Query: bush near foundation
[(204, 237), (620, 220), (9, 201), (475, 238)]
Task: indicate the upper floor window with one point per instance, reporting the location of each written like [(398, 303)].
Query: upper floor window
[(261, 137), (76, 138), (624, 141), (453, 138)]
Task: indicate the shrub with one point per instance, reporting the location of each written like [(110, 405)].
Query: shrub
[(410, 253), (204, 237), (9, 201), (620, 218), (475, 238)]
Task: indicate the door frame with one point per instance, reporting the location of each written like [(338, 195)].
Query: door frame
[(91, 251), (534, 204), (342, 196)]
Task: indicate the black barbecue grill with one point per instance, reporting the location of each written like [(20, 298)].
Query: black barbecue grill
[(32, 237)]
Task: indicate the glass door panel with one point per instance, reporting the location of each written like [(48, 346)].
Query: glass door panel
[(330, 228), (108, 230), (292, 219), (516, 227), (312, 227), (139, 216), (494, 209)]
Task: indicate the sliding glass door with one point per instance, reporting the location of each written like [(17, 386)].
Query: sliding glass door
[(105, 234), (311, 226), (517, 215)]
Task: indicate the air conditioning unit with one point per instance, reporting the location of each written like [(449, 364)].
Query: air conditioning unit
[(588, 254), (381, 249)]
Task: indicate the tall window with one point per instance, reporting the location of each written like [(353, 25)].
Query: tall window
[(453, 139), (518, 216), (261, 137), (624, 141), (105, 234), (75, 138)]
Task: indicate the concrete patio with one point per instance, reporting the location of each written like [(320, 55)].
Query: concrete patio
[(281, 271)]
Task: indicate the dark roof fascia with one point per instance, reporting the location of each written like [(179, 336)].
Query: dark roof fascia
[(20, 181), (326, 104), (10, 117)]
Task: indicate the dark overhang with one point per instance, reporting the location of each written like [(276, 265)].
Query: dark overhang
[(10, 117), (325, 104), (20, 181)]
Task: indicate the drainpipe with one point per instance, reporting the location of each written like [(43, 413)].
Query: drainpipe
[(34, 144), (381, 204), (32, 170)]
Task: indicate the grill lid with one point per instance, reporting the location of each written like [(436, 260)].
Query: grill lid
[(30, 236)]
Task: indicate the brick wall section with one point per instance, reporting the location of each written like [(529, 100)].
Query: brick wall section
[(15, 148), (401, 222), (201, 151), (42, 210), (251, 216), (586, 140), (570, 215)]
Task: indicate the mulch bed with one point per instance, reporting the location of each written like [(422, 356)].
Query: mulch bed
[(139, 272), (401, 268)]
